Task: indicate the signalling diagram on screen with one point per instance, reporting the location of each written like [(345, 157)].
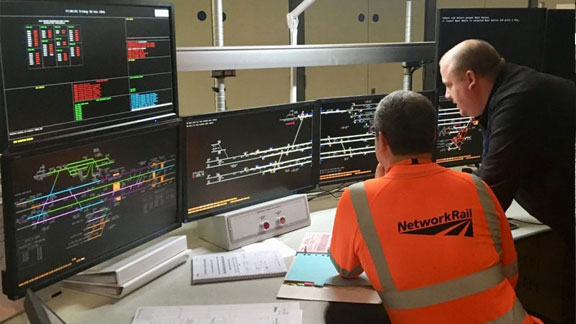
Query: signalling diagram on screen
[(459, 138), (102, 185), (221, 167), (247, 157), (347, 141), (70, 212)]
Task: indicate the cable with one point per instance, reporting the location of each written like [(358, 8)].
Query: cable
[(329, 192)]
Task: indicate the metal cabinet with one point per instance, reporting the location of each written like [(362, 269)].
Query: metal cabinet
[(256, 22), (364, 21), (388, 25), (336, 22), (194, 88), (248, 22)]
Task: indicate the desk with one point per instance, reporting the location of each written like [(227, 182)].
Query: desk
[(174, 288)]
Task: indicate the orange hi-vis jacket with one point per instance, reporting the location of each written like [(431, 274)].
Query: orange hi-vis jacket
[(434, 243)]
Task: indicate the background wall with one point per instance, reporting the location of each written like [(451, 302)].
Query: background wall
[(263, 22)]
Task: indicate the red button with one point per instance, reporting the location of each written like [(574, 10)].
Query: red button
[(265, 225), (282, 220)]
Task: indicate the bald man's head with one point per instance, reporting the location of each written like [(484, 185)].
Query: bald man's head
[(469, 71), (475, 55)]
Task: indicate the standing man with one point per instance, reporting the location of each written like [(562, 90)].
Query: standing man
[(527, 120), (434, 242)]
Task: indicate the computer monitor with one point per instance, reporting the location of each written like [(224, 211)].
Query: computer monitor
[(239, 158), (346, 139), (559, 49), (71, 66), (459, 138), (71, 206)]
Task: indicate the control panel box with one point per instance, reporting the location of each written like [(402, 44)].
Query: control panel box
[(251, 224)]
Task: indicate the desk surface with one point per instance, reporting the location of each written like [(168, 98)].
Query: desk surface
[(174, 288)]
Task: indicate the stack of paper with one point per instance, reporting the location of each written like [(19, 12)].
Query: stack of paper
[(272, 313), (227, 266)]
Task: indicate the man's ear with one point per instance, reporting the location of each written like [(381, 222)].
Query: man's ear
[(382, 143), (471, 79)]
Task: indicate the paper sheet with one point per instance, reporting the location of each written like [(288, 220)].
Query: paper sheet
[(315, 242), (271, 244), (270, 313)]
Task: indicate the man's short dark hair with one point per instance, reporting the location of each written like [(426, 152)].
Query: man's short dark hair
[(408, 121)]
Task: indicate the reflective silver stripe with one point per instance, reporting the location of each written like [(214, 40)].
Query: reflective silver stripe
[(514, 316), (444, 291), (352, 273), (511, 269), (370, 235), (490, 213)]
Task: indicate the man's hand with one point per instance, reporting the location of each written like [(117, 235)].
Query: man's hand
[(380, 171)]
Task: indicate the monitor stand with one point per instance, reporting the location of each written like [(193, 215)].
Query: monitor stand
[(38, 312), (255, 223), (10, 308), (125, 273)]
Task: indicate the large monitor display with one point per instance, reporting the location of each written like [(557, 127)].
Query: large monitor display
[(69, 66), (347, 139), (70, 207), (459, 139), (239, 158)]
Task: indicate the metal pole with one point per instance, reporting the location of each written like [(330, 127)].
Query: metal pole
[(407, 82), (292, 21), (218, 41), (293, 42)]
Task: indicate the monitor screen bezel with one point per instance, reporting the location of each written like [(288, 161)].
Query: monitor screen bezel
[(257, 110), (106, 122), (8, 160)]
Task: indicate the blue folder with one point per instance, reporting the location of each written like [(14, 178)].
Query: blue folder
[(317, 269)]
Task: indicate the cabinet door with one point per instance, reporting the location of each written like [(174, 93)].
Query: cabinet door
[(194, 88), (256, 22), (460, 4), (248, 22), (336, 22), (387, 24)]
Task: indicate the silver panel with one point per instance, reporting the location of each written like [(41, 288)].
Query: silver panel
[(265, 57)]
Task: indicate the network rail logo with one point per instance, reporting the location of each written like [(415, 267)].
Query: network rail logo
[(454, 223)]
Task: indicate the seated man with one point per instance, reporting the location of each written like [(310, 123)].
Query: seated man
[(434, 242)]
